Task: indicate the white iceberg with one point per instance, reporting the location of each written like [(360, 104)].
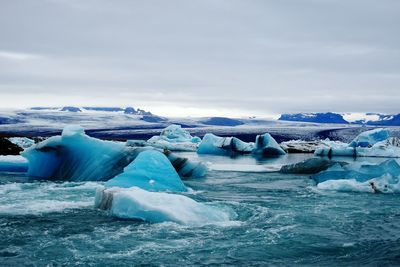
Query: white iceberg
[(156, 207), (175, 138), (152, 171)]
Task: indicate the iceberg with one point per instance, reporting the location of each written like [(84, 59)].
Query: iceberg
[(12, 163), (185, 167), (152, 171), (374, 143), (267, 146), (212, 144), (360, 172), (310, 166), (136, 203), (75, 156), (370, 138), (383, 184), (175, 138)]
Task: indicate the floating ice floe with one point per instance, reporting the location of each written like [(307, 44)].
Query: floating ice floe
[(265, 145), (175, 138), (374, 143), (310, 166), (13, 163), (139, 204), (152, 171), (359, 171), (212, 144), (300, 146)]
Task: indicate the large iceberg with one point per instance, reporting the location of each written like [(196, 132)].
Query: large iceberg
[(370, 138), (75, 156), (267, 146), (175, 138), (374, 143), (361, 177), (152, 171), (185, 167), (361, 172), (139, 204), (212, 144)]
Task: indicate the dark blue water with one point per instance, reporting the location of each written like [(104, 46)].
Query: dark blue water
[(281, 220)]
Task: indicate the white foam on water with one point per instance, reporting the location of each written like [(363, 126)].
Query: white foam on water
[(44, 197)]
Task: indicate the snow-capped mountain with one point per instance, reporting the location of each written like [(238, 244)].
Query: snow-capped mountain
[(345, 118)]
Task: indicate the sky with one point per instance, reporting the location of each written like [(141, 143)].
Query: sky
[(202, 57)]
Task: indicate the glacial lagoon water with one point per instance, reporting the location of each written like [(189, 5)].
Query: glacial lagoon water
[(277, 219)]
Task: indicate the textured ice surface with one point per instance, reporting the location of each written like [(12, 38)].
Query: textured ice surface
[(212, 144), (300, 146), (22, 142), (369, 138), (267, 146), (139, 204), (13, 163), (185, 167), (360, 172), (151, 171), (382, 184), (374, 143), (175, 138), (75, 156), (308, 166)]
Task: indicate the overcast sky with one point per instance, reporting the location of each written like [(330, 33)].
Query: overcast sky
[(206, 57)]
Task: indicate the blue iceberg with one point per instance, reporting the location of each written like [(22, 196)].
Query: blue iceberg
[(267, 146), (360, 172), (151, 171), (370, 138), (212, 144), (374, 143), (75, 156), (136, 203)]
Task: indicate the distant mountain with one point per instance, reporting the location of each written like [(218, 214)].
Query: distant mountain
[(222, 121), (375, 119), (328, 117)]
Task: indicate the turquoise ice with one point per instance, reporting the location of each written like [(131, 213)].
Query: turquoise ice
[(151, 171)]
